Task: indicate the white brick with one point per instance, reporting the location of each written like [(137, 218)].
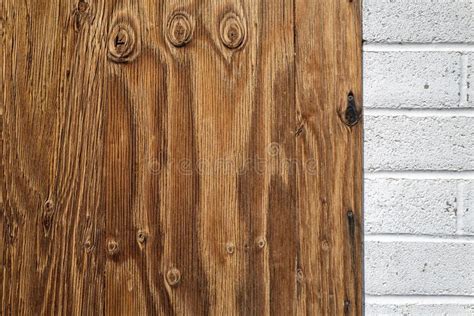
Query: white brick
[(468, 98), (410, 206), (420, 268), (420, 309), (404, 143), (412, 79), (466, 209), (418, 20)]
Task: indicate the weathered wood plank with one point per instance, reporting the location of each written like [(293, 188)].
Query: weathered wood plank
[(328, 68), (51, 114)]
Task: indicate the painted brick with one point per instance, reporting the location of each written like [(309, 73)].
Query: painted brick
[(412, 79), (420, 309), (410, 206), (426, 143), (466, 209), (419, 268), (424, 21), (468, 97)]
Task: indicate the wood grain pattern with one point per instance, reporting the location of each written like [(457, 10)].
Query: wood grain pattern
[(330, 198), (181, 157)]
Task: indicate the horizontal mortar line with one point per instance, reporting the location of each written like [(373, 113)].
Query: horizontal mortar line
[(421, 174), (466, 112), (419, 238), (416, 47), (418, 299)]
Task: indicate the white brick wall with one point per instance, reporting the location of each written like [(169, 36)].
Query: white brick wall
[(419, 157)]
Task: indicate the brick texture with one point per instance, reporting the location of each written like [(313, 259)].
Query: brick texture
[(412, 79), (407, 206), (423, 21), (419, 157), (419, 268)]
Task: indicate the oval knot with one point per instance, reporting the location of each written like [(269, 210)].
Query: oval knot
[(232, 31), (123, 42), (173, 276), (180, 29)]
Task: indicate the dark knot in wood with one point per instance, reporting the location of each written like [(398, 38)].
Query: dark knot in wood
[(82, 6), (232, 31), (81, 14), (49, 204), (351, 223), (142, 236), (351, 115), (123, 42), (180, 29)]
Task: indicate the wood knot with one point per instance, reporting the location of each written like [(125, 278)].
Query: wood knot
[(180, 29), (88, 246), (173, 276), (230, 248), (123, 44), (49, 205), (232, 31), (82, 6), (47, 217), (81, 14), (351, 115), (299, 275), (351, 223), (142, 236), (325, 245), (347, 306), (112, 247), (47, 222), (261, 242)]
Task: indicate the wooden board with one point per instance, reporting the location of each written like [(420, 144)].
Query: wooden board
[(181, 157)]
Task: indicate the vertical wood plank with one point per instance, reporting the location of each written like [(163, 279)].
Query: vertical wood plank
[(329, 146), (135, 159), (51, 114)]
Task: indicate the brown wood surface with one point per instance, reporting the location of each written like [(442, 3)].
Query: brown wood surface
[(181, 157)]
